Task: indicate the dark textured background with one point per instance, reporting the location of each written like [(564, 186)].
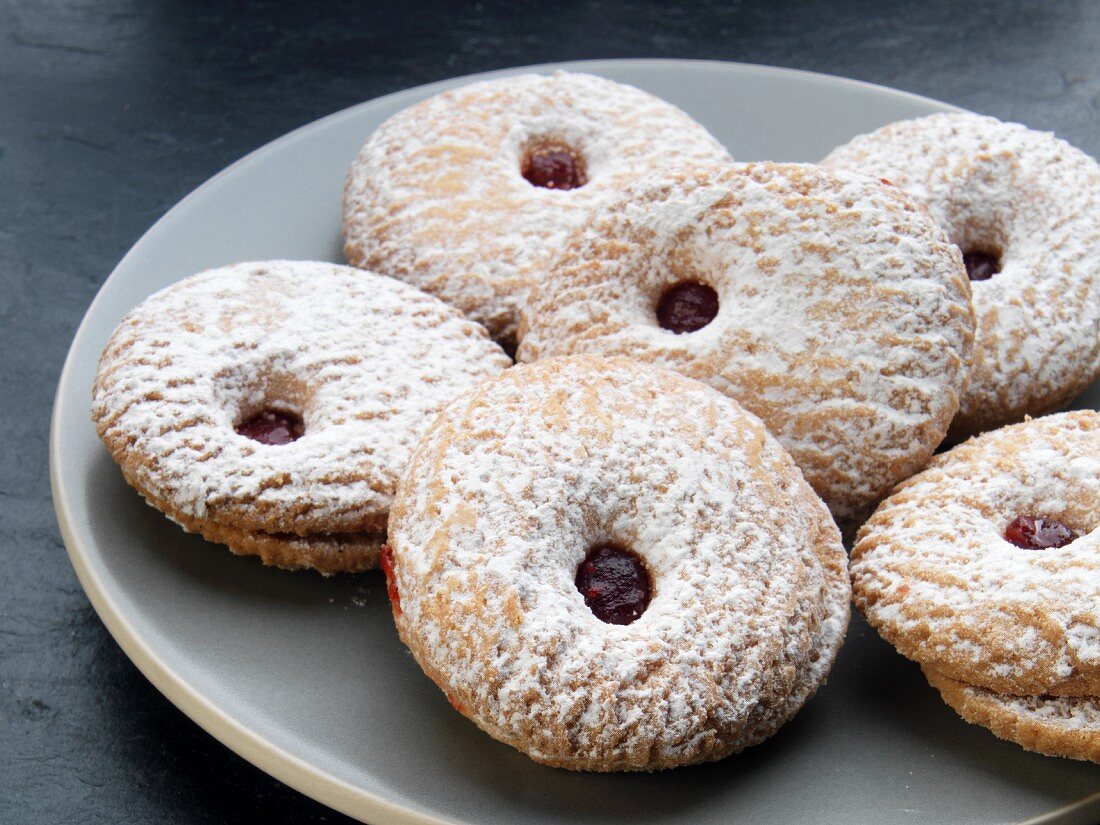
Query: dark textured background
[(110, 112)]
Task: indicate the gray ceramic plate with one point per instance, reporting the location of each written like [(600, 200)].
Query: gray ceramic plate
[(305, 677)]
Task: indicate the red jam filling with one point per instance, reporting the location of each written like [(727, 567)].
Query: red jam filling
[(981, 266), (273, 427), (554, 167), (687, 306), (385, 561), (1032, 533), (614, 583)]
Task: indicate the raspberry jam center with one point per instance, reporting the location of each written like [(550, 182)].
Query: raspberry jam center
[(274, 427), (615, 584), (1033, 533), (981, 266), (554, 167), (687, 306)]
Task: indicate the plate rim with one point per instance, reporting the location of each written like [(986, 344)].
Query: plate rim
[(247, 743)]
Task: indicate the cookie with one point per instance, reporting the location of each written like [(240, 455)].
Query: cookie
[(610, 566), (1024, 207), (986, 566), (830, 305), (271, 406), (469, 194)]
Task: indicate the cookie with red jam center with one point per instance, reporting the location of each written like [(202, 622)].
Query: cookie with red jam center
[(826, 303), (270, 406), (610, 566)]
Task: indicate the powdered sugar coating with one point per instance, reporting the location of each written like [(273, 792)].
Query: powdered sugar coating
[(1053, 725), (1036, 200), (517, 480), (436, 198), (366, 360), (932, 571), (844, 318)]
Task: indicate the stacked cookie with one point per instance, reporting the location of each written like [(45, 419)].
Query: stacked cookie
[(272, 406), (840, 312), (618, 554), (613, 567), (984, 569)]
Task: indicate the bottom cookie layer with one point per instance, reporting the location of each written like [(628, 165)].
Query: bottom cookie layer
[(327, 553), (1053, 725)]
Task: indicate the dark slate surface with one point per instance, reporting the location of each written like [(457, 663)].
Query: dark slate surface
[(112, 111)]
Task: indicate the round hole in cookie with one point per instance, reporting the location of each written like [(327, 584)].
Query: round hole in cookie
[(1038, 533), (615, 583), (550, 163), (981, 264), (687, 306)]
